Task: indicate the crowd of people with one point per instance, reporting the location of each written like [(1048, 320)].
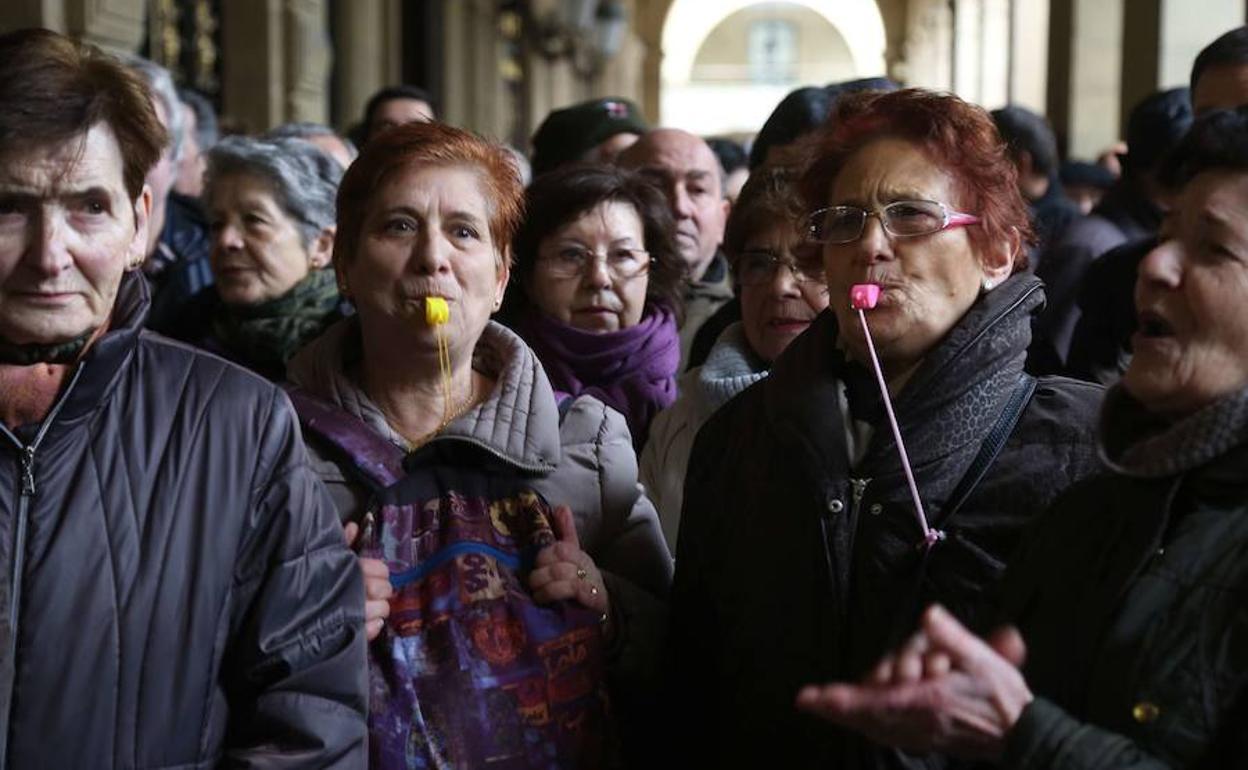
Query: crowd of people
[(396, 451)]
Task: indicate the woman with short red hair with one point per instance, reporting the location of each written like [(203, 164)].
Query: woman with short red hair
[(512, 563), (802, 554)]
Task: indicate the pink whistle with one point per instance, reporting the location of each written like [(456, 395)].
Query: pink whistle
[(864, 296)]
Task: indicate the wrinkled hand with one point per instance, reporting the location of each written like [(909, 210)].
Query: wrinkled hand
[(377, 588), (564, 571), (944, 690)]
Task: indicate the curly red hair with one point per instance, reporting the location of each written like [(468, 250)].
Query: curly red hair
[(434, 144), (957, 135)]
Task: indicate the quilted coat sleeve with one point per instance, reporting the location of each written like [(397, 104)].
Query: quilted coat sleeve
[(295, 668), (635, 560)]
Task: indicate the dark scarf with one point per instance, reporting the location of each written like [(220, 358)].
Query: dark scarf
[(1138, 443), (56, 353), (264, 336), (632, 370), (946, 407)]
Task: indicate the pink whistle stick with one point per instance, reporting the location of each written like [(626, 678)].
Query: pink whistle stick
[(862, 297)]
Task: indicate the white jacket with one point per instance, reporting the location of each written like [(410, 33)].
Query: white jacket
[(730, 368)]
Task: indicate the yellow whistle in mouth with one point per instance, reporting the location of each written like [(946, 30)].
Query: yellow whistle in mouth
[(436, 311)]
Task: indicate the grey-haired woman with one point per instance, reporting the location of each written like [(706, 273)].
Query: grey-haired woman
[(270, 204)]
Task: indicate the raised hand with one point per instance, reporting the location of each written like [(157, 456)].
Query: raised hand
[(945, 690), (377, 588), (564, 571)]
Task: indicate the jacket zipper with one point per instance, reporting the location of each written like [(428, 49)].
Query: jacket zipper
[(26, 464)]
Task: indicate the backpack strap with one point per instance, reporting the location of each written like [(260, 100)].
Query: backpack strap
[(377, 463), (992, 445)]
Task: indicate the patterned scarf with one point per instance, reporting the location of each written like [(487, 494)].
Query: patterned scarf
[(264, 336), (1136, 442), (31, 354)]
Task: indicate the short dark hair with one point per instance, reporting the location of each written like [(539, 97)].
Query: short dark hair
[(55, 89), (1025, 131), (805, 109), (1217, 140), (1155, 126), (390, 93), (731, 154), (769, 196), (563, 195), (1229, 48)]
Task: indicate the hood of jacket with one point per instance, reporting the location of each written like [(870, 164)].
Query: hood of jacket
[(518, 421)]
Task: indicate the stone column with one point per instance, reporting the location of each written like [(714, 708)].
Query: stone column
[(927, 61), (114, 25), (369, 54), (1161, 39), (995, 53), (254, 64), (307, 51), (475, 92), (1085, 50), (18, 14), (1029, 53)]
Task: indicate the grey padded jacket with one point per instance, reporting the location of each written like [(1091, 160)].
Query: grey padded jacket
[(584, 460), (175, 591)]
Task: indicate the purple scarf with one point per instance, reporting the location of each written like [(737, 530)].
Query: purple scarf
[(632, 370)]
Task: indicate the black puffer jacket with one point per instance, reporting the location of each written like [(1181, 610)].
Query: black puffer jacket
[(175, 591), (1132, 596), (796, 568)]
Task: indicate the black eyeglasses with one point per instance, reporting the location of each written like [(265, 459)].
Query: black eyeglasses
[(572, 262), (901, 219), (758, 267)]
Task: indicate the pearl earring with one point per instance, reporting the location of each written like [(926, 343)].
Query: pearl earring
[(988, 284)]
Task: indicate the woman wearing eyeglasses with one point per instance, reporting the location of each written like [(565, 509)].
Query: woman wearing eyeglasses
[(781, 290), (599, 285), (801, 556)]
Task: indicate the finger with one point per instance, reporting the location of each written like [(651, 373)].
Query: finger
[(378, 590), (591, 595), (351, 532), (565, 526), (374, 568), (965, 650), (1008, 643), (558, 552), (882, 674), (373, 628), (936, 664), (560, 590), (376, 610), (909, 665), (558, 571)]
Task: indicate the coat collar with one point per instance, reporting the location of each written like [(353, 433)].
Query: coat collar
[(518, 421), (955, 395)]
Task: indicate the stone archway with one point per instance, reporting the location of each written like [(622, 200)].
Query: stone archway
[(851, 41)]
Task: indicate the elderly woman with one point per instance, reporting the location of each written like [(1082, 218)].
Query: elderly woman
[(801, 555), (1130, 593), (781, 290), (428, 211), (270, 207), (599, 286)]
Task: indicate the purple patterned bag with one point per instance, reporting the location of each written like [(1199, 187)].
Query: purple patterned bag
[(468, 671)]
